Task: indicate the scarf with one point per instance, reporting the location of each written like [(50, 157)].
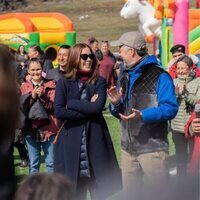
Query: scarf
[(84, 75)]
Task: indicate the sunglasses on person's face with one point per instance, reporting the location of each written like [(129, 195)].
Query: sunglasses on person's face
[(85, 56)]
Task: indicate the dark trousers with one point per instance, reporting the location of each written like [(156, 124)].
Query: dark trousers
[(22, 150), (7, 175), (183, 153), (87, 184)]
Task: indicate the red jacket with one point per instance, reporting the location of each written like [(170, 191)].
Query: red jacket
[(47, 100), (194, 163), (172, 71)]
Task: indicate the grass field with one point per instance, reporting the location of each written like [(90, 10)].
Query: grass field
[(114, 128), (113, 125)]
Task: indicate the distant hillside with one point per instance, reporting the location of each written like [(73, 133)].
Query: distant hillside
[(90, 17)]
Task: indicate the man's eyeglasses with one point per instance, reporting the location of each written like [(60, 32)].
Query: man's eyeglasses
[(85, 56), (104, 41)]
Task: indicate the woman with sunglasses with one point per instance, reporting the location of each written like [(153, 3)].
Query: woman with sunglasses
[(84, 150)]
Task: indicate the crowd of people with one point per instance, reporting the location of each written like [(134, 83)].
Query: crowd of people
[(59, 111)]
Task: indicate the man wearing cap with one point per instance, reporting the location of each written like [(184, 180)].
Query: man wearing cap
[(144, 103), (178, 51)]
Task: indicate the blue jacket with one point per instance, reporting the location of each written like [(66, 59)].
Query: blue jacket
[(167, 102), (151, 90)]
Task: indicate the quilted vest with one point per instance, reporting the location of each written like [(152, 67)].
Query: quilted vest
[(138, 136)]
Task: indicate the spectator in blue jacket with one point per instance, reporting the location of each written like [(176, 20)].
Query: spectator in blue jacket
[(144, 103)]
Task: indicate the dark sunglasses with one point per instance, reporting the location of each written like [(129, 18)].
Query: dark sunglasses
[(85, 56)]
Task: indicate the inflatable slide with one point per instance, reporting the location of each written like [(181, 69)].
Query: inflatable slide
[(194, 31), (49, 30)]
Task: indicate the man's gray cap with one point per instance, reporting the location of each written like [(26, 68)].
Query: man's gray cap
[(133, 39)]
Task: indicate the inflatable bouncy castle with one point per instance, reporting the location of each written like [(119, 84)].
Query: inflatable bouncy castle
[(48, 30), (180, 25), (171, 21)]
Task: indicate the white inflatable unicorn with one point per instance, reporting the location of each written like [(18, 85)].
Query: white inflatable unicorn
[(149, 26)]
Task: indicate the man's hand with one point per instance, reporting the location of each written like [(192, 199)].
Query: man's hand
[(196, 125), (136, 114), (114, 95)]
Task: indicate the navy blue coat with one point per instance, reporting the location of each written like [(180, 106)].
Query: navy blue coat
[(68, 106)]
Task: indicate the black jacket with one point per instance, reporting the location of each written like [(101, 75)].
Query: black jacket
[(78, 113)]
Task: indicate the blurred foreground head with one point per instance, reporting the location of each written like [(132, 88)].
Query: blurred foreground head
[(8, 97), (44, 186)]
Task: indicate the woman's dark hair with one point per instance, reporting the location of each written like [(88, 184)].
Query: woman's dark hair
[(74, 61), (36, 60), (18, 50), (64, 46), (38, 49), (44, 186), (91, 40), (9, 102), (186, 59)]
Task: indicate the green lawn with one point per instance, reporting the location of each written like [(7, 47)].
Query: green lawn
[(114, 128)]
